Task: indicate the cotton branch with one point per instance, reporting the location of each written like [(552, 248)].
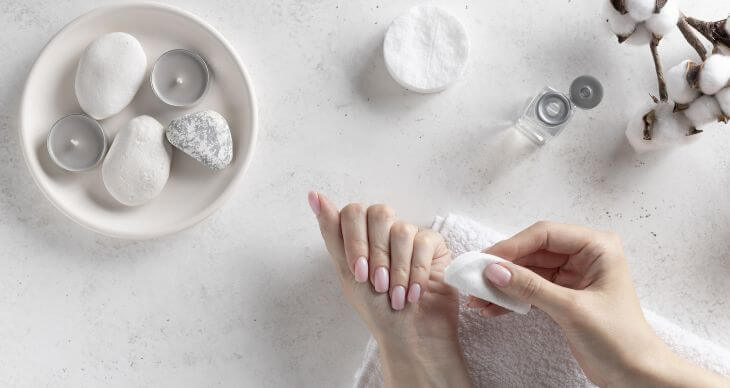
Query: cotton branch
[(691, 37), (654, 45), (713, 31)]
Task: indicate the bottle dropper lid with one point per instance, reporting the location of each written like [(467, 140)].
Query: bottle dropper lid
[(586, 92)]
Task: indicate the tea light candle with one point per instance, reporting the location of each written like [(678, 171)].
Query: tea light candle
[(180, 78), (76, 143)]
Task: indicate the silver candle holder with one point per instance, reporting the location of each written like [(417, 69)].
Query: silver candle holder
[(180, 78), (76, 142)]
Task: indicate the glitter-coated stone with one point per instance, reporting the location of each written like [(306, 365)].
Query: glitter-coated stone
[(205, 136)]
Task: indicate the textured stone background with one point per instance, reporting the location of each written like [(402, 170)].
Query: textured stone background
[(248, 296)]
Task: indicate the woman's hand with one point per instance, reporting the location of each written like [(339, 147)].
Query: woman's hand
[(580, 278), (391, 272)]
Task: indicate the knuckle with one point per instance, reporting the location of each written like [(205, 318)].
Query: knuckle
[(380, 212), (614, 238), (379, 250), (402, 230), (530, 288), (542, 224), (352, 210), (357, 246), (419, 269), (573, 304), (399, 273), (427, 237)]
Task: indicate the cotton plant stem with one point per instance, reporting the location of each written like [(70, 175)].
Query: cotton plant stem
[(691, 37), (654, 45), (712, 31)]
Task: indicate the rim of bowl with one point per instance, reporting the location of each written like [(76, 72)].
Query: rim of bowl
[(235, 180), (200, 59)]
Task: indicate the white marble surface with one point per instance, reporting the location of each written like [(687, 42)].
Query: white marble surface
[(247, 298)]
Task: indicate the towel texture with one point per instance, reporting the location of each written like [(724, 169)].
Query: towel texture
[(465, 274), (539, 355)]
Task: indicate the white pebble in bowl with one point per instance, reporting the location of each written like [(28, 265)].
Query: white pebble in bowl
[(137, 166), (426, 49), (109, 74)]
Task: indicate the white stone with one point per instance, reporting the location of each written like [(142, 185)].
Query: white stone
[(109, 74), (670, 129), (680, 91), (715, 74), (426, 49), (205, 136), (137, 166)]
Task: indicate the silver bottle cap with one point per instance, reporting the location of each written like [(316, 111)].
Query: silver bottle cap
[(586, 92)]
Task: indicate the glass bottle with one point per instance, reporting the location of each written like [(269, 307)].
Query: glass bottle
[(548, 113)]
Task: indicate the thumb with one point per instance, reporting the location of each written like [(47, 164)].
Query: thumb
[(525, 285)]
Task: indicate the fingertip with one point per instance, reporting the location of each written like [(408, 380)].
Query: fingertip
[(492, 311), (414, 293), (314, 203)]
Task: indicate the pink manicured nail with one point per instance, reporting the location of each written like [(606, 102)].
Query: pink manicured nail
[(414, 293), (381, 279), (313, 199), (398, 298), (498, 275), (361, 270)]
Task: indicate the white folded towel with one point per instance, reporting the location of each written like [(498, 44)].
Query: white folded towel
[(539, 355)]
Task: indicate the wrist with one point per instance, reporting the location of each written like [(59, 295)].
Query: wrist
[(662, 367), (423, 362)]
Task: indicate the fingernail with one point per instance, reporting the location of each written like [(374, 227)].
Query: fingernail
[(498, 275), (380, 279), (313, 199), (414, 293), (398, 298), (361, 269)]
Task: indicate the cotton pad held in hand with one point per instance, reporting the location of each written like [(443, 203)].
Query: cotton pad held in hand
[(426, 49), (466, 273)]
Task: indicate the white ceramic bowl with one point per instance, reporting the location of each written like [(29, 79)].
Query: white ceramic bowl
[(193, 191)]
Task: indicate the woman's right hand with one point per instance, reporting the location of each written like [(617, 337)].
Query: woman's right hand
[(580, 278)]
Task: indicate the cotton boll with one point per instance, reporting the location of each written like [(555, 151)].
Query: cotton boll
[(640, 10), (670, 129), (723, 98), (663, 23), (640, 37), (621, 25), (715, 74), (679, 89), (703, 111)]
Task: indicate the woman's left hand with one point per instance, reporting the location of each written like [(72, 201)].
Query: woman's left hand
[(391, 272)]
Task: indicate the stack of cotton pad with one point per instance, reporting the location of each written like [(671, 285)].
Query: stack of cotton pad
[(426, 49), (466, 274)]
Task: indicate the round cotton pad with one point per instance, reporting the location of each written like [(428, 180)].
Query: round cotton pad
[(426, 49)]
